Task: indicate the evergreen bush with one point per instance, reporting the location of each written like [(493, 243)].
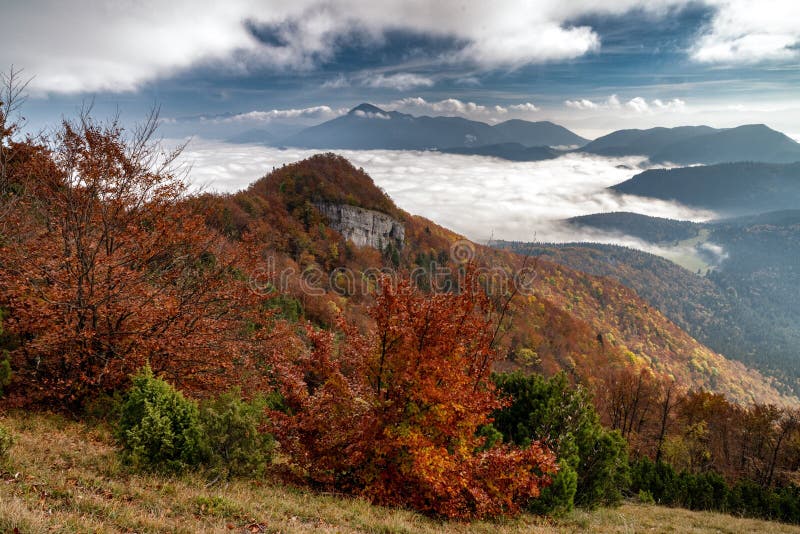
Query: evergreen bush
[(593, 460), (232, 429), (159, 428)]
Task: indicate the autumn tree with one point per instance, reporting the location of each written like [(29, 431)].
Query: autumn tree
[(628, 401), (394, 415), (106, 267)]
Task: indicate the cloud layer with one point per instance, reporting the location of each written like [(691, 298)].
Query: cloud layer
[(119, 46), (503, 200)]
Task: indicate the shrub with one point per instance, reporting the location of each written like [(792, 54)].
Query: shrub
[(6, 441), (594, 465), (400, 416), (232, 429), (159, 429), (559, 497)]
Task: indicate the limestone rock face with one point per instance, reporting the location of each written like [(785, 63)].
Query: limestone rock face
[(364, 227)]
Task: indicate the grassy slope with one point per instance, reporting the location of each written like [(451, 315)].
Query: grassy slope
[(64, 477)]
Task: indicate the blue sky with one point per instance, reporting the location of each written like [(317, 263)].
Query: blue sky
[(217, 69)]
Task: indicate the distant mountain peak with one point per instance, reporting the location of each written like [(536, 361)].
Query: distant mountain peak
[(366, 108), (759, 126), (759, 129)]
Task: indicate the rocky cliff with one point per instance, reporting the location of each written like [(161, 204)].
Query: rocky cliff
[(364, 227)]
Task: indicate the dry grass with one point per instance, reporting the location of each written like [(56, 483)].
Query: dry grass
[(65, 477)]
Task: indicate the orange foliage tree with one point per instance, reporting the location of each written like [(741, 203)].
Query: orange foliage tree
[(395, 415), (105, 266)]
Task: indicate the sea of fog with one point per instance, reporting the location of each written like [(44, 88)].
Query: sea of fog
[(480, 197)]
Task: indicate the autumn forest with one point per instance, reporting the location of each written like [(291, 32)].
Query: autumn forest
[(245, 336)]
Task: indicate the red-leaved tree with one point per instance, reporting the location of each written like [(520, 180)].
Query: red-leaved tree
[(105, 266), (395, 415)]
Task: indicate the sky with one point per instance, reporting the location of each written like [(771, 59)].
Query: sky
[(216, 69)]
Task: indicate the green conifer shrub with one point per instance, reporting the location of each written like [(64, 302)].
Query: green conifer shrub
[(232, 428), (159, 429), (593, 460)]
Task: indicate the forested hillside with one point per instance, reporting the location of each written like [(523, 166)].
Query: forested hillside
[(689, 145), (745, 309), (650, 229), (731, 188), (569, 321)]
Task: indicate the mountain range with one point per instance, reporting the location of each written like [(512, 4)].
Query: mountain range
[(369, 127)]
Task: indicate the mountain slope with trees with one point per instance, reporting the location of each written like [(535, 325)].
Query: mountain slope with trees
[(643, 142), (746, 308), (202, 330), (686, 145), (570, 321), (728, 188), (646, 228)]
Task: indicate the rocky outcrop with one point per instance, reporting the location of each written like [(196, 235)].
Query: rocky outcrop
[(364, 227)]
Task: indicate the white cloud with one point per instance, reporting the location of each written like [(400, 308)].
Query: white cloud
[(448, 106), (526, 107), (636, 104), (519, 45), (640, 105), (745, 32), (119, 46), (612, 102), (86, 46), (315, 112), (454, 106), (399, 82), (676, 104), (581, 104)]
